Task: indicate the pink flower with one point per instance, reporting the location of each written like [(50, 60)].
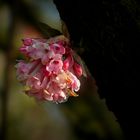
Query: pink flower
[(59, 97), (34, 49), (55, 65), (24, 69), (46, 58), (74, 82), (57, 48), (49, 73)]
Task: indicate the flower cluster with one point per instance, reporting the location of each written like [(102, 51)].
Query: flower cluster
[(50, 71)]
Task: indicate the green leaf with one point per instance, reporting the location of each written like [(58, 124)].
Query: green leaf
[(47, 30)]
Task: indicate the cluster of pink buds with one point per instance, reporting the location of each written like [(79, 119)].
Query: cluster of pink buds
[(50, 71)]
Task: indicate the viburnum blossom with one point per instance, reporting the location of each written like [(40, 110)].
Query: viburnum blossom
[(50, 71)]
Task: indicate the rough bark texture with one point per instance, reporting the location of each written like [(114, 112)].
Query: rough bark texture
[(109, 33)]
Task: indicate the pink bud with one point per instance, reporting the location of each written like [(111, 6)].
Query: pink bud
[(66, 64), (77, 69), (27, 41)]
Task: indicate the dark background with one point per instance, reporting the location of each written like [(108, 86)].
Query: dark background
[(106, 34), (109, 32)]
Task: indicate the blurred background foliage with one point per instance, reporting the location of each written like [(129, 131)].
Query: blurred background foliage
[(21, 117)]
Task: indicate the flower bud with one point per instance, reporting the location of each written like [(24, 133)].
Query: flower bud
[(77, 69)]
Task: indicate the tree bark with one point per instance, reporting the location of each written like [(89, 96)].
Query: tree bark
[(108, 32)]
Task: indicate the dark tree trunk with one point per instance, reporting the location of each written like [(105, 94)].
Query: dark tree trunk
[(109, 33)]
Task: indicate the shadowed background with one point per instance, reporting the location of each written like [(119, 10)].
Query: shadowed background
[(103, 34)]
